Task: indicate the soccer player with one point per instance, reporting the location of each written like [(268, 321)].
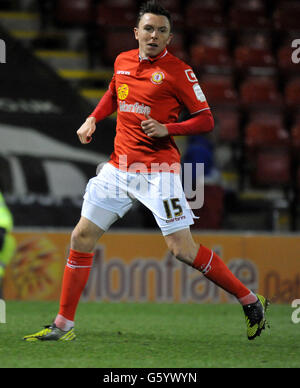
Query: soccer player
[(149, 89)]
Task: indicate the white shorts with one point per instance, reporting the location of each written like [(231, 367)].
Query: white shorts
[(111, 193)]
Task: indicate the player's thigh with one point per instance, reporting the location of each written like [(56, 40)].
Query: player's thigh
[(182, 245), (106, 198)]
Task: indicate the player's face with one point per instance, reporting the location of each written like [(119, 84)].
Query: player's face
[(153, 34)]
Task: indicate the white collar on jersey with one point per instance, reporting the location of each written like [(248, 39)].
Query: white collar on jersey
[(152, 59)]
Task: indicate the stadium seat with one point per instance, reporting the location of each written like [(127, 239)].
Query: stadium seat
[(267, 146), (109, 16), (246, 57), (292, 93), (116, 41), (248, 4), (285, 64), (199, 16), (295, 137), (260, 39), (177, 46), (267, 116), (212, 213), (287, 15), (124, 4), (254, 49), (178, 20), (296, 117), (75, 12), (205, 7), (247, 18), (259, 134), (215, 5), (272, 168), (219, 91), (202, 55), (228, 124), (212, 37), (173, 6), (259, 92)]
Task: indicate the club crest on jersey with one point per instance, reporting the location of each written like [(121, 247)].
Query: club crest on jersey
[(157, 78), (123, 91)]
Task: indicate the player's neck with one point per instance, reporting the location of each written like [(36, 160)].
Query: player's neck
[(152, 59)]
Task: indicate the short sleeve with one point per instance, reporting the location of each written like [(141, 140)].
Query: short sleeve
[(189, 92)]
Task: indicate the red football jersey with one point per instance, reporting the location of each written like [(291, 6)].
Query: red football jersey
[(159, 87)]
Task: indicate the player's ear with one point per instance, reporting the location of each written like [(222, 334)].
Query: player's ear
[(170, 38), (136, 33)]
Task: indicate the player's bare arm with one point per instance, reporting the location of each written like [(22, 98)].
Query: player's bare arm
[(86, 131), (153, 128)]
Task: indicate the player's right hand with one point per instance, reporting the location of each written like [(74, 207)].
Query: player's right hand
[(86, 131)]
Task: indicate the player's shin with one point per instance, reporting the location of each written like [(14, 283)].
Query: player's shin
[(75, 277), (213, 268)]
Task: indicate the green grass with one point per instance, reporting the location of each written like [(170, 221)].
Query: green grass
[(132, 335)]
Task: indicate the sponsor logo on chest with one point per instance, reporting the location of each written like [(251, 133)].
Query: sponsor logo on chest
[(123, 92), (134, 108)]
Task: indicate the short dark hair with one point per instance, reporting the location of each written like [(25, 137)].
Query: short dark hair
[(154, 7)]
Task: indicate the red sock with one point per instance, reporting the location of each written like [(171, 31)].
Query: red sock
[(75, 278), (210, 264)]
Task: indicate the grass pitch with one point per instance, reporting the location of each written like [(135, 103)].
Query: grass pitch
[(132, 335)]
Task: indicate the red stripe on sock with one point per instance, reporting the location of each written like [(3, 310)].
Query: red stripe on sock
[(74, 281), (219, 273)]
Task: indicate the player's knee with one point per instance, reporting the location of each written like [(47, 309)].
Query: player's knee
[(81, 240)]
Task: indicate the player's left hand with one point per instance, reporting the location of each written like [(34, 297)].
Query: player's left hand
[(153, 128)]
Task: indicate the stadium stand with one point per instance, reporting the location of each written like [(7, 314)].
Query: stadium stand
[(295, 135), (204, 56), (265, 134), (177, 46), (116, 41), (74, 13), (286, 15), (241, 52), (211, 215), (115, 16), (249, 14), (292, 93), (228, 121), (246, 57), (272, 168), (219, 90), (260, 92)]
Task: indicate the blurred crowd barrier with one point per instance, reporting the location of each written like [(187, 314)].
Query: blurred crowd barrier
[(137, 267)]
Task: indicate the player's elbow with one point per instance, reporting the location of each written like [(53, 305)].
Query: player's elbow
[(210, 122), (205, 122)]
